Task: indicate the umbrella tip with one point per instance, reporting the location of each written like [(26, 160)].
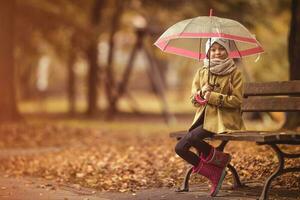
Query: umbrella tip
[(210, 12)]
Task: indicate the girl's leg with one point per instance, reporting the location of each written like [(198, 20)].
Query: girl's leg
[(182, 149), (195, 138), (212, 164)]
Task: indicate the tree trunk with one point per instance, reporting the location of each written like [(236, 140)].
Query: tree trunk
[(71, 78), (293, 118), (109, 82), (8, 107), (92, 55)]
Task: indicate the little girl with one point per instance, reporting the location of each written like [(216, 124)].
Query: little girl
[(218, 112)]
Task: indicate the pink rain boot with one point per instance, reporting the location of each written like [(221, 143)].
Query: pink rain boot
[(215, 174), (213, 167), (217, 158)]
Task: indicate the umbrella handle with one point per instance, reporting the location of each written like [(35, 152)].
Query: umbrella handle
[(210, 14), (208, 71)]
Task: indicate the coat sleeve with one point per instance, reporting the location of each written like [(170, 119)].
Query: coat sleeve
[(229, 101), (195, 87)]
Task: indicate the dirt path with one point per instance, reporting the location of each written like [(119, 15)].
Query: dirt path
[(28, 188)]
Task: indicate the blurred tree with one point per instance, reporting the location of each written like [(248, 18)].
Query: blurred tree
[(49, 27), (46, 27), (52, 24), (8, 107), (92, 55), (293, 119), (110, 88), (71, 76)]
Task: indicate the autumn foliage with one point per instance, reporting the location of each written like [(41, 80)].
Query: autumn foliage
[(115, 158)]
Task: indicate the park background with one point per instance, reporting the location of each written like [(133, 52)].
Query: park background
[(88, 99)]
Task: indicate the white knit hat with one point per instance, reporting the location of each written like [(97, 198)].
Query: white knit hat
[(221, 41)]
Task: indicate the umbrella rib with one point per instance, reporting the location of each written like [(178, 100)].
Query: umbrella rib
[(200, 48), (180, 33), (187, 25), (237, 49)]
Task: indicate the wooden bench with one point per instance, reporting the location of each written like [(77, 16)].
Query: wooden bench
[(262, 97)]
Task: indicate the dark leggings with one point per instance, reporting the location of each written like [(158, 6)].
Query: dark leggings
[(194, 138)]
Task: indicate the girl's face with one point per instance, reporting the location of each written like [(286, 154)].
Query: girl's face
[(218, 51)]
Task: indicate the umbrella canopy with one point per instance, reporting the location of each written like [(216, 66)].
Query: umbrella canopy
[(188, 37)]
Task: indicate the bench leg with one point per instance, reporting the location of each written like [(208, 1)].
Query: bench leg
[(280, 169), (264, 194), (185, 184), (221, 146), (236, 179)]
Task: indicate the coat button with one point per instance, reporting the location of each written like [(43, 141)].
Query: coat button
[(220, 97)]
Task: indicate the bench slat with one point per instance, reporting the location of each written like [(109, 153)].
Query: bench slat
[(255, 136), (269, 104), (272, 88)]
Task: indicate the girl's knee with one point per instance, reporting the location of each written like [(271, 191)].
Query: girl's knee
[(179, 149), (196, 135), (191, 138)]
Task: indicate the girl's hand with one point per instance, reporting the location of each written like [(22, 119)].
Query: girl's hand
[(206, 88), (207, 95)]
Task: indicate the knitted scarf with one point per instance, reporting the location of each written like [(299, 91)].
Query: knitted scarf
[(220, 67)]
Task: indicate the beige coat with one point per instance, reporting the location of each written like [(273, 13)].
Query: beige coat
[(223, 110)]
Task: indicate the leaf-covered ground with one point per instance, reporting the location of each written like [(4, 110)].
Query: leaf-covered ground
[(119, 156)]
